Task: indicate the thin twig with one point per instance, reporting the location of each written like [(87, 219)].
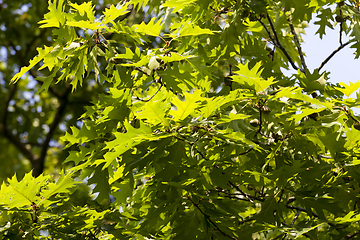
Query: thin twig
[(349, 236), (298, 46), (333, 53), (247, 151), (260, 107), (296, 217), (234, 196), (147, 100), (248, 196), (326, 157), (209, 219), (341, 28)]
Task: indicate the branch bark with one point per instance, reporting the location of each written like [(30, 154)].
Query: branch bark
[(333, 53), (297, 42), (38, 165), (275, 40)]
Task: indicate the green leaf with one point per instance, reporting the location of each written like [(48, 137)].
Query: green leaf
[(324, 21), (152, 28), (126, 141), (84, 24), (191, 30), (84, 9), (305, 112), (352, 216), (187, 106), (100, 179), (154, 112), (33, 62), (177, 4), (24, 193), (62, 185), (173, 57), (231, 117), (306, 230), (56, 16), (250, 78), (110, 14), (349, 89)]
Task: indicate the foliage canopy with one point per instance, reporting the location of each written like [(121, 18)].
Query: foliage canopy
[(198, 132)]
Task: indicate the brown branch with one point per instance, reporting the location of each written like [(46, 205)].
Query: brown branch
[(7, 102), (333, 53), (298, 46), (276, 41), (296, 217), (39, 164), (349, 236), (248, 196), (341, 28), (211, 221)]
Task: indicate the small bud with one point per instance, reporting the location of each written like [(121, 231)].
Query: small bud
[(254, 122), (265, 109), (357, 125), (339, 18)]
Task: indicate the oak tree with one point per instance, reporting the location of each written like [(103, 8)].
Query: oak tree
[(199, 132)]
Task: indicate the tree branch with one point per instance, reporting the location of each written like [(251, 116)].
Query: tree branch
[(296, 217), (276, 41), (341, 28), (246, 152), (39, 164), (333, 53), (209, 219), (297, 43)]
